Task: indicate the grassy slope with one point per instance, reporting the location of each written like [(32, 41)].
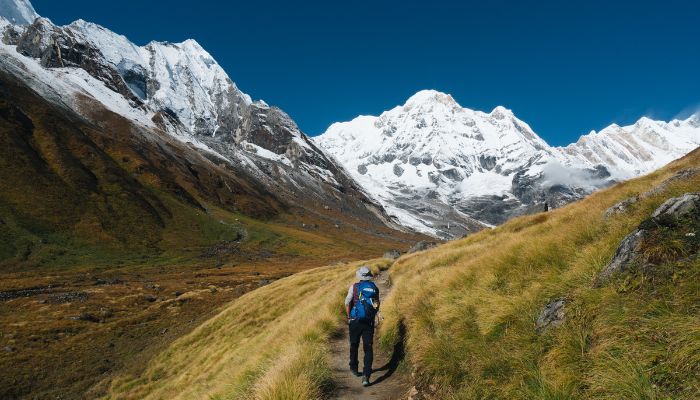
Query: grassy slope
[(74, 194), (268, 344), (470, 307), (170, 234)]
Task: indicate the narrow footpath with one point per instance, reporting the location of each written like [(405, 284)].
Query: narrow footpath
[(385, 383)]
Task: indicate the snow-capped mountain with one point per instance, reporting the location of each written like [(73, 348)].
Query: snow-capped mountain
[(446, 170), (20, 12), (629, 151), (178, 89)]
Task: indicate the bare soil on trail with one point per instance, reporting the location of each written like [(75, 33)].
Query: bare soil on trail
[(386, 383)]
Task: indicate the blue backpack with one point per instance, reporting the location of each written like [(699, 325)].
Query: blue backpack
[(365, 299)]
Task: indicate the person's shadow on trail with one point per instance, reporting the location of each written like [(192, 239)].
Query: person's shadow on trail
[(396, 356)]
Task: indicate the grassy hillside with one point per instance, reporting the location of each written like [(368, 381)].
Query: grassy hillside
[(116, 240), (470, 306), (75, 194), (268, 344), (469, 309)]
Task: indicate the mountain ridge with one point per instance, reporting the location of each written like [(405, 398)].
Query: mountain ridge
[(460, 160), (180, 89)]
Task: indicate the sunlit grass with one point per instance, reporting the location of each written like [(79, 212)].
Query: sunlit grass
[(470, 307), (268, 344)]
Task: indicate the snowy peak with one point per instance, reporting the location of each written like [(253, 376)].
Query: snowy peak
[(432, 148), (432, 160), (177, 89), (429, 98), (633, 150), (116, 48), (18, 12)]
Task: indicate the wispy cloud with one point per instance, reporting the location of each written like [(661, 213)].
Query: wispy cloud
[(555, 173), (688, 112)]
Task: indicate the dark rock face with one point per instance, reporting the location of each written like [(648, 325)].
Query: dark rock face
[(626, 254), (553, 314), (421, 246), (58, 47), (487, 162), (415, 160), (452, 174), (392, 254), (679, 207), (398, 171)]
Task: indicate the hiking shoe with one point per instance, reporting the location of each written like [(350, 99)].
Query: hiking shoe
[(365, 381), (355, 372)]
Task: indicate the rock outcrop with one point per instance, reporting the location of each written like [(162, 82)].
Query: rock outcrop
[(679, 207), (627, 254), (675, 214), (553, 314), (421, 246), (392, 254), (624, 205), (621, 207)]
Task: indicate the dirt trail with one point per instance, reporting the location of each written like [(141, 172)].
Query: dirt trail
[(385, 383)]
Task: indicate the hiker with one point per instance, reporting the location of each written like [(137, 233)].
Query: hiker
[(361, 306)]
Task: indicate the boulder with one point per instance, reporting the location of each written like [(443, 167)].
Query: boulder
[(679, 207), (621, 207), (552, 315), (626, 254), (392, 254), (420, 246)]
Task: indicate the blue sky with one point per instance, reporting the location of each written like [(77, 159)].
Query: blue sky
[(564, 67)]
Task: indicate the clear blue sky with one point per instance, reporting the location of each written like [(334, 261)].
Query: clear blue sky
[(565, 67)]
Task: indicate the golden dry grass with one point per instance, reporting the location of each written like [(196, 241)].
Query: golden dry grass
[(268, 344), (469, 308)]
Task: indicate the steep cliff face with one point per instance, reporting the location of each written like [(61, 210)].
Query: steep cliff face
[(180, 90)]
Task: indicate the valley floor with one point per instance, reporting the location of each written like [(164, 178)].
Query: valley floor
[(94, 323)]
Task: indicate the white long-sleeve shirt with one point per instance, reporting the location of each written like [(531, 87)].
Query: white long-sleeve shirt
[(348, 298)]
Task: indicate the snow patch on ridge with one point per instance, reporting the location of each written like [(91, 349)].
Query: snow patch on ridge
[(18, 12)]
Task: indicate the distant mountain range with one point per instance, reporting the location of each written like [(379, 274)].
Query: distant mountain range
[(429, 165), (447, 170)]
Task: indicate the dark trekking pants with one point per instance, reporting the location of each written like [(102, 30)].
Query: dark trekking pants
[(365, 331)]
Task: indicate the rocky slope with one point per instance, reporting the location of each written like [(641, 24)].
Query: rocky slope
[(177, 89), (447, 170)]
